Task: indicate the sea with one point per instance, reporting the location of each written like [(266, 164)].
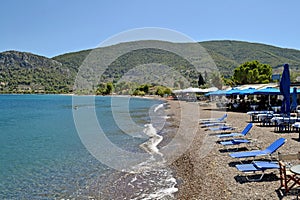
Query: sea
[(44, 155)]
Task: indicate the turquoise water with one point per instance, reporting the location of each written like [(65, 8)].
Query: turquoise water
[(42, 156)]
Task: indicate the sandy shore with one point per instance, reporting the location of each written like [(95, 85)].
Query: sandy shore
[(206, 171)]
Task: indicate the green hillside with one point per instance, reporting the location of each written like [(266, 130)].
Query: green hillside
[(26, 72), (230, 54), (124, 62), (226, 54)]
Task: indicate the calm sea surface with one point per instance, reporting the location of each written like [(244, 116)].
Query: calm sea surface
[(42, 156)]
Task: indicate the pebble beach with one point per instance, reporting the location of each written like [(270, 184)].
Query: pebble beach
[(206, 171)]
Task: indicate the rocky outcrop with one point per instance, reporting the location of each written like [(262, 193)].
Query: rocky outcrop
[(27, 60)]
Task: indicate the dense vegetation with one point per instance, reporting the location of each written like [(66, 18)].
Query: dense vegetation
[(132, 88), (252, 72), (28, 73), (230, 54), (138, 58)]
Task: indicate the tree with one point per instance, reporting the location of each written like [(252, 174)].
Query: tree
[(200, 80), (139, 93), (252, 72), (228, 81), (101, 89), (162, 90), (168, 91), (105, 88), (144, 88), (109, 88)]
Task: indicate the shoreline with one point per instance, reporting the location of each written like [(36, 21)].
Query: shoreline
[(155, 97), (206, 171)]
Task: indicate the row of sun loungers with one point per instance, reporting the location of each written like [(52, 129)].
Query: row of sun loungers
[(254, 163), (238, 138), (258, 166)]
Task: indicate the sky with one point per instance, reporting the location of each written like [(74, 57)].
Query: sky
[(54, 27)]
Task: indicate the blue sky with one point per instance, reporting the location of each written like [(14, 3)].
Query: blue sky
[(53, 27)]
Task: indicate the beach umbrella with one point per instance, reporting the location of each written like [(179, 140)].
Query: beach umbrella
[(216, 93), (285, 83), (211, 89), (294, 99), (292, 90), (268, 91), (192, 90), (177, 91), (223, 92), (248, 91), (233, 91)]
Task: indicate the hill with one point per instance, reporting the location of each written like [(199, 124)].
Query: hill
[(230, 54), (226, 54), (26, 72), (181, 62)]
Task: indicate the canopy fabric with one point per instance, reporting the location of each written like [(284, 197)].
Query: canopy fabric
[(294, 99), (233, 91), (248, 91), (285, 83), (216, 93), (177, 91), (292, 90), (212, 89), (196, 90), (191, 90), (268, 91), (223, 92)]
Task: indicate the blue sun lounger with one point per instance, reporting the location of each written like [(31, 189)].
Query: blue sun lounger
[(213, 124), (241, 134), (257, 166), (234, 142), (214, 120), (221, 128), (268, 151)]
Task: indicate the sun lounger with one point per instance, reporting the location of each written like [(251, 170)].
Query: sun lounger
[(221, 128), (213, 124), (268, 151), (235, 142), (241, 134), (257, 166), (213, 120)]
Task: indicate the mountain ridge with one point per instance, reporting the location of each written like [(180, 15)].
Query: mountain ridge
[(27, 72)]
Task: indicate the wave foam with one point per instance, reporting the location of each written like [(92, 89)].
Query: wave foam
[(158, 107), (150, 145)]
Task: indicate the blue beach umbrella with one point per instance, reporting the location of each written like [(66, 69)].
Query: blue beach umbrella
[(216, 93), (292, 90), (233, 91), (223, 92), (294, 99), (285, 84), (268, 91), (248, 91)]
